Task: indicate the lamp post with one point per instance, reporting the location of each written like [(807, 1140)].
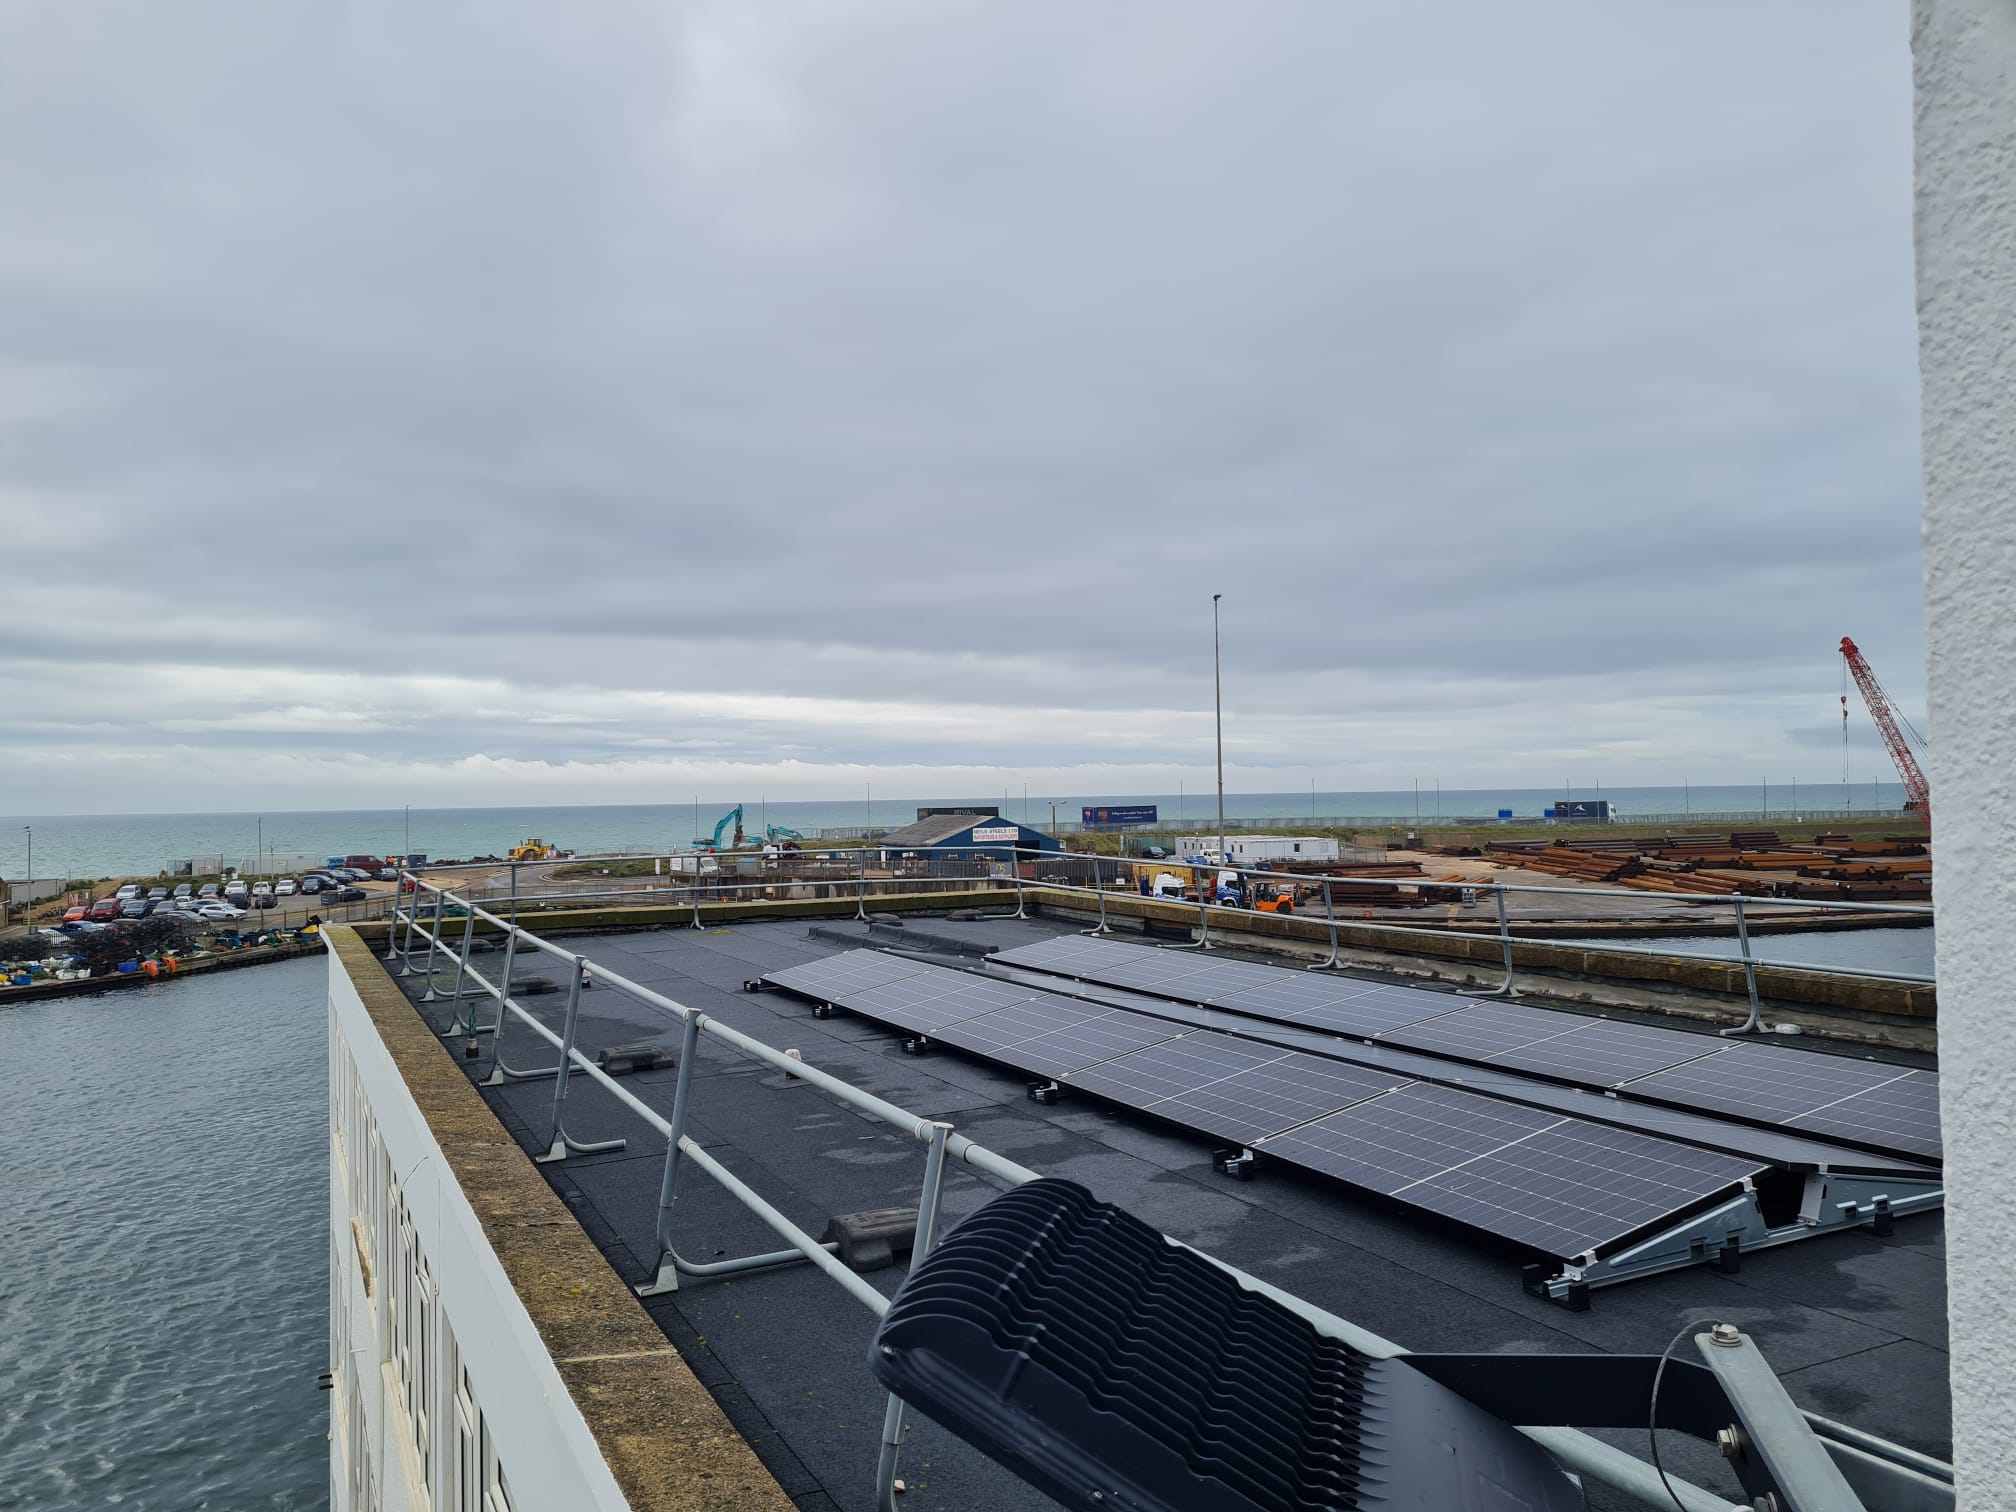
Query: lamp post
[(1218, 716), (29, 831)]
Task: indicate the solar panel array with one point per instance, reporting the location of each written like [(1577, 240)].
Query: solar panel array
[(1882, 1107), (1544, 1179)]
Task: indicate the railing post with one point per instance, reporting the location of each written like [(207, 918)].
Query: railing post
[(1103, 929), (462, 1024), (666, 1278), (1015, 871), (405, 951), (504, 993), (1330, 918), (1504, 988), (558, 1144), (1755, 1022), (433, 945), (392, 931), (927, 1236), (861, 891)]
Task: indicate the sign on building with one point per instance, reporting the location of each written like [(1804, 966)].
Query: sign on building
[(995, 834), (1116, 817)]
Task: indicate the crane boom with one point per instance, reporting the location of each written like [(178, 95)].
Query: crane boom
[(1917, 791)]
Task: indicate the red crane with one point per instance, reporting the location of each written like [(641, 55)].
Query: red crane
[(1917, 791)]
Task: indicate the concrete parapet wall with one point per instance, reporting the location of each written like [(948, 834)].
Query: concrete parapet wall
[(1838, 1006)]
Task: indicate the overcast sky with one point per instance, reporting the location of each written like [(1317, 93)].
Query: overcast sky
[(471, 403)]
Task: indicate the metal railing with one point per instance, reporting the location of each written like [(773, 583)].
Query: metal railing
[(1575, 1450), (1695, 915)]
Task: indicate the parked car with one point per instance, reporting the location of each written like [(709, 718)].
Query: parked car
[(263, 900), (130, 890), (208, 890), (348, 895), (135, 908), (235, 891), (75, 912), (388, 874), (220, 911), (102, 910), (157, 894), (186, 890), (284, 888), (261, 887), (313, 885)]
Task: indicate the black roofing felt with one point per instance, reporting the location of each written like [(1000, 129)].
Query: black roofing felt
[(1855, 1324)]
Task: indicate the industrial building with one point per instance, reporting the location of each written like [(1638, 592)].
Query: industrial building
[(970, 836)]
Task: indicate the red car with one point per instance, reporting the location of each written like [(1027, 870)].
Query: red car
[(104, 910), (75, 913)]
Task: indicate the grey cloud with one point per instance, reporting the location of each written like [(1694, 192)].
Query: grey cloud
[(1503, 369)]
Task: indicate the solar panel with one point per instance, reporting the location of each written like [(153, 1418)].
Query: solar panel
[(1050, 1039), (1824, 1094), (1249, 1106), (1406, 1136), (1358, 1009), (852, 971), (1232, 1089), (1572, 1187), (927, 1004), (1170, 1070), (1540, 1178), (1336, 1004), (1482, 1030), (1558, 1184), (1899, 1115), (1765, 1083), (1605, 1053)]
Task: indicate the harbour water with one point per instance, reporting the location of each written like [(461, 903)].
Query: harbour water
[(101, 845), (164, 1261)]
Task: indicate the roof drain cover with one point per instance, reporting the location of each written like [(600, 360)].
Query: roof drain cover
[(1076, 1345)]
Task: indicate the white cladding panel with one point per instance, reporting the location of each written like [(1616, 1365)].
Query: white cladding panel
[(493, 1412)]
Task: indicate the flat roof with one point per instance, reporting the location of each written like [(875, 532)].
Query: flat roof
[(1855, 1324)]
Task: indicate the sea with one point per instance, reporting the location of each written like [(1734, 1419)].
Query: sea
[(105, 845), (165, 1254)]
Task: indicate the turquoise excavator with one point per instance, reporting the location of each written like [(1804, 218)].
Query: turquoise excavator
[(732, 818), (774, 834)]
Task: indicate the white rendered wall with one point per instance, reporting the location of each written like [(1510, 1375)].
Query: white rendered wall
[(547, 1450), (1965, 53)]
